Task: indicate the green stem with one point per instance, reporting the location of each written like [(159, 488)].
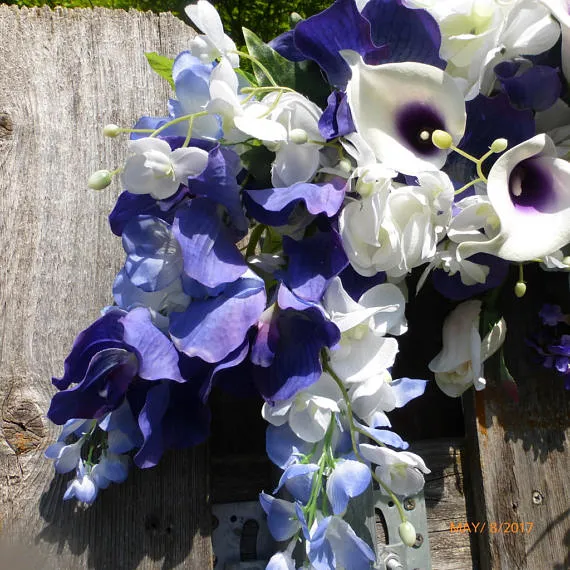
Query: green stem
[(353, 428), (468, 185), (189, 117), (258, 63), (254, 240)]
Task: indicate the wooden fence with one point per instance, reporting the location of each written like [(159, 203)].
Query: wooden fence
[(64, 74)]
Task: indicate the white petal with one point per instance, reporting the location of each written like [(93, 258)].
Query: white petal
[(262, 129), (188, 162), (378, 94)]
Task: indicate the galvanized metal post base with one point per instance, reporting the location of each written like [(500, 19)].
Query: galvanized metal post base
[(242, 541)]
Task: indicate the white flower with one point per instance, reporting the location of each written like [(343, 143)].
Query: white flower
[(309, 412), (363, 350), (559, 9), (239, 121), (529, 190), (371, 396), (459, 365), (214, 43), (153, 168), (297, 156), (401, 471), (396, 107)]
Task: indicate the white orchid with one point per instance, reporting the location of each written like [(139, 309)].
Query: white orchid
[(402, 471), (214, 43), (153, 168), (240, 121), (309, 412), (396, 106), (364, 351), (529, 190), (459, 364)]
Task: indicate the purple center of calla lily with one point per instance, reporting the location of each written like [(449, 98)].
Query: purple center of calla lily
[(531, 186), (415, 123)]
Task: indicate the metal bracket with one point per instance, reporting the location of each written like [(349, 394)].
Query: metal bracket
[(395, 555), (240, 537)]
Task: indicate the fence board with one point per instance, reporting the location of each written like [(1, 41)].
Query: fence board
[(519, 453), (65, 73)]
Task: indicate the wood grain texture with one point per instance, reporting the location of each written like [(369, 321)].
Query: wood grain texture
[(519, 452), (64, 74)]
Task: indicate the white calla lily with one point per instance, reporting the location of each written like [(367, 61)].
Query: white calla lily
[(396, 106), (529, 189)]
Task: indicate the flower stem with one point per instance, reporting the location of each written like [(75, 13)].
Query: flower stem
[(353, 428), (258, 63)]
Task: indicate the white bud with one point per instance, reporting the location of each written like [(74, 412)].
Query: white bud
[(407, 533), (111, 130), (345, 166), (99, 180), (298, 136)]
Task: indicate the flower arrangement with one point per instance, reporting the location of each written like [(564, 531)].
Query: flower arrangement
[(271, 223)]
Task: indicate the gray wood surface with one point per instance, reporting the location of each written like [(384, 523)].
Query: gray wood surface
[(64, 74), (519, 452)]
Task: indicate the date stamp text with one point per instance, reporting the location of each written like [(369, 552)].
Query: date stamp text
[(494, 527)]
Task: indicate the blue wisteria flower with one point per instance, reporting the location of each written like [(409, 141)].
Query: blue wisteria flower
[(279, 218)]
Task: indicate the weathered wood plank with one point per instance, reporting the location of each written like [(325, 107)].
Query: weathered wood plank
[(64, 74), (519, 453)]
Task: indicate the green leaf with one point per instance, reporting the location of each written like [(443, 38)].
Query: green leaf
[(281, 69), (161, 65)]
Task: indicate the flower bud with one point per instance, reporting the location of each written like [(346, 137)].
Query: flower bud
[(111, 131), (294, 19), (441, 139), (99, 180), (298, 136), (407, 533), (345, 166), (520, 289), (566, 260), (499, 145)]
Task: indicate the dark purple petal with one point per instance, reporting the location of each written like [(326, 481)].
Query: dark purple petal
[(299, 337), (411, 35), (313, 262), (273, 206), (130, 205), (100, 391), (488, 118), (212, 328), (150, 424), (339, 27), (537, 88), (551, 315), (219, 373), (105, 332), (186, 422), (218, 183), (210, 255), (532, 187), (356, 285), (284, 45), (336, 120), (157, 356), (452, 287)]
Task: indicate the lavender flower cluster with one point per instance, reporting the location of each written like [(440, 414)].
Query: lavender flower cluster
[(270, 223)]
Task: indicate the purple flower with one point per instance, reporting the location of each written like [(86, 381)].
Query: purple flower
[(106, 358), (287, 349)]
